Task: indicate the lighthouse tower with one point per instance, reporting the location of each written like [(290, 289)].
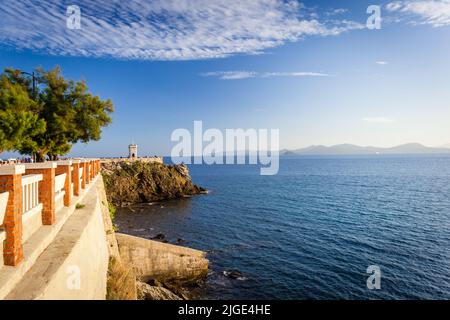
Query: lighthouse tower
[(132, 149)]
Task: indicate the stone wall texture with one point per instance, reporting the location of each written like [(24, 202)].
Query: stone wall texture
[(161, 261)]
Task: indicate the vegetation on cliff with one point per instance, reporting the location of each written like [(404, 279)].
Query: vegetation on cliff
[(138, 182)]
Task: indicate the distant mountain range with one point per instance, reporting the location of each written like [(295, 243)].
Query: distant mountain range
[(350, 149)]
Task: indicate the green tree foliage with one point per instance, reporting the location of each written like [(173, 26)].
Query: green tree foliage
[(19, 119), (66, 110)]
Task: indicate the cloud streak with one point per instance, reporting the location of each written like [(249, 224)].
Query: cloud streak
[(162, 29), (239, 75), (431, 12)]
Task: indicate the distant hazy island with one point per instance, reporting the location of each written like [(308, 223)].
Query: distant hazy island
[(350, 149)]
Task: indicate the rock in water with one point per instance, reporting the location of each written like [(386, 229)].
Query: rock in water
[(148, 292), (234, 274), (159, 236), (139, 182)]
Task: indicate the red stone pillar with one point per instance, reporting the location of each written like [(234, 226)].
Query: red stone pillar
[(91, 162), (87, 171), (66, 167), (76, 177), (46, 188), (83, 177), (11, 182)]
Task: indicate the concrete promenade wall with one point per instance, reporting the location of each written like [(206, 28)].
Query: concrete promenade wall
[(156, 260), (75, 264)]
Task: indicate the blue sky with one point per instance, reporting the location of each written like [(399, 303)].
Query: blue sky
[(310, 68)]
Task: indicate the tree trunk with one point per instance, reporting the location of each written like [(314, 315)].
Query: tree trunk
[(53, 157), (40, 156)]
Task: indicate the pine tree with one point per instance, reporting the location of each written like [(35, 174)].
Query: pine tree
[(19, 119), (47, 119)]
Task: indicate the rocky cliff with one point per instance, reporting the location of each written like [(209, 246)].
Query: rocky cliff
[(138, 182)]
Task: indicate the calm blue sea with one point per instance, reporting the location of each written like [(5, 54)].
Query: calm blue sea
[(311, 231)]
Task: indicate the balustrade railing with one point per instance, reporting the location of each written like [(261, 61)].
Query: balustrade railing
[(3, 203), (34, 182), (59, 183), (30, 191)]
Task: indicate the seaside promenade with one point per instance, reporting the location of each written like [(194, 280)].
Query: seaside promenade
[(37, 201)]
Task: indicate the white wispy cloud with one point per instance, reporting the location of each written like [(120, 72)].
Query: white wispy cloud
[(432, 12), (238, 75), (162, 29), (378, 120), (381, 63), (231, 75), (337, 11)]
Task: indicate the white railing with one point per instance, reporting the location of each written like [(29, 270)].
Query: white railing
[(60, 180), (30, 191), (3, 204)]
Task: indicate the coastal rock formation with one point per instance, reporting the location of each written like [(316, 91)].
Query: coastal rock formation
[(148, 292), (138, 182)]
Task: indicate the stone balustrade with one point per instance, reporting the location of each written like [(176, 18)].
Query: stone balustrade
[(35, 192), (30, 192)]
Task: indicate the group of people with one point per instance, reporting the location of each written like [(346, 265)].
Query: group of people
[(17, 161)]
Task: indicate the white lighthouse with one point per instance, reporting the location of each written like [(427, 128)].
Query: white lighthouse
[(132, 151)]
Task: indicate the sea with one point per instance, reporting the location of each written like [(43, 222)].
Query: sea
[(316, 230)]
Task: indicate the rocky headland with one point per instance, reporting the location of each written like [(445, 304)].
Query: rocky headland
[(129, 183)]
